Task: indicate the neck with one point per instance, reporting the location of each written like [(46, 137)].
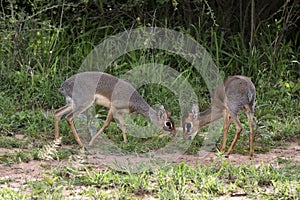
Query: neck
[(209, 116), (143, 108), (153, 117), (151, 114)]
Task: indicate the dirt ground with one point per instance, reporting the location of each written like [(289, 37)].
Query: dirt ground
[(18, 174), (291, 152)]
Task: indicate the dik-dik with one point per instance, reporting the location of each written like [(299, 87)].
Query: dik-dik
[(84, 89), (235, 94)]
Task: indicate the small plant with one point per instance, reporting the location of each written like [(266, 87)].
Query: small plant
[(49, 151)]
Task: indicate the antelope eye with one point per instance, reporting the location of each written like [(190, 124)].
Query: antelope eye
[(168, 124)]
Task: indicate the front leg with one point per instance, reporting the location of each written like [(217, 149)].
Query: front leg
[(109, 118), (227, 122), (120, 118)]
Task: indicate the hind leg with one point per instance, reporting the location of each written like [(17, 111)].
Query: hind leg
[(57, 115), (227, 122), (251, 140), (70, 119), (238, 127)]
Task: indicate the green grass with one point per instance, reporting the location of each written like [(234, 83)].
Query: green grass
[(179, 181), (34, 63)]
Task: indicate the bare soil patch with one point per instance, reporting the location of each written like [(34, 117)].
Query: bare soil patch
[(291, 152)]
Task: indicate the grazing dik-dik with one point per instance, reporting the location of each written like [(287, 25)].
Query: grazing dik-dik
[(235, 94), (84, 89)]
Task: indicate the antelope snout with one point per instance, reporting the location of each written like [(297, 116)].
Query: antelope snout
[(188, 137)]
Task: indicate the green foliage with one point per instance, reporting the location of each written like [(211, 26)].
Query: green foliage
[(11, 194), (38, 54), (42, 43), (180, 181)]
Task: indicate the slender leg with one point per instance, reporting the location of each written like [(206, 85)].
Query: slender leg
[(251, 140), (57, 115), (71, 124), (106, 123), (227, 122), (57, 111), (122, 126), (239, 129), (70, 118)]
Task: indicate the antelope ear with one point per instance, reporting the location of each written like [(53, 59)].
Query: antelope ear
[(168, 113), (195, 111), (162, 113)]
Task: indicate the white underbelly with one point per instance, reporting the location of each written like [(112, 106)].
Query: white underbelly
[(102, 100)]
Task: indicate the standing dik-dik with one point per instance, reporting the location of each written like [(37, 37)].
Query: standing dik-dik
[(84, 89), (235, 94)]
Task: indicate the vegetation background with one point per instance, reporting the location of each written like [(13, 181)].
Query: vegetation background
[(44, 42)]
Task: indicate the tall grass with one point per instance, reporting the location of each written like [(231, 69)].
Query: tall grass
[(36, 59)]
